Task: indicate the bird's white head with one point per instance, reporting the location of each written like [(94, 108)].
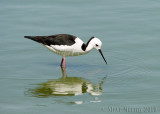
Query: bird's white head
[(96, 43)]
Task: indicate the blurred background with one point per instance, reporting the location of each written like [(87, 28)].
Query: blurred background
[(29, 73)]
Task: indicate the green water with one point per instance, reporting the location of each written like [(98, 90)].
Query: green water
[(31, 80)]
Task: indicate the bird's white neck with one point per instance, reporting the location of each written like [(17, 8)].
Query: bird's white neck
[(89, 47), (90, 44)]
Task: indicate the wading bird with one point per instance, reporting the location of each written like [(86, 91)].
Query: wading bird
[(68, 45)]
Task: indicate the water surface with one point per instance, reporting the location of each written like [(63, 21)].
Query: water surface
[(31, 80)]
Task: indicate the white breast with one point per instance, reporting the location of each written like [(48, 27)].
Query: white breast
[(65, 50)]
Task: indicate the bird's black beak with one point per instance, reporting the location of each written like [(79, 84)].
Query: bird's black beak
[(102, 55)]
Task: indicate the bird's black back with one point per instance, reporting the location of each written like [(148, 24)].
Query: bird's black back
[(57, 39)]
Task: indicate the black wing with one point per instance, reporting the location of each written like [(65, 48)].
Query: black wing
[(57, 39)]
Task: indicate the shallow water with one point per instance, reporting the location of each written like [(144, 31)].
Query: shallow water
[(31, 80)]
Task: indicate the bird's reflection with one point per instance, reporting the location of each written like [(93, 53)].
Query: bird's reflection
[(66, 86)]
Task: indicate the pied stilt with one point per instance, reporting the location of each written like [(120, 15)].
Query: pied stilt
[(68, 45)]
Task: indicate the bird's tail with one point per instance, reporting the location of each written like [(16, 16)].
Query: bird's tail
[(34, 38), (39, 39), (30, 37)]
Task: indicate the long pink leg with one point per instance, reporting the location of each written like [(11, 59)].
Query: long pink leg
[(64, 63)]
